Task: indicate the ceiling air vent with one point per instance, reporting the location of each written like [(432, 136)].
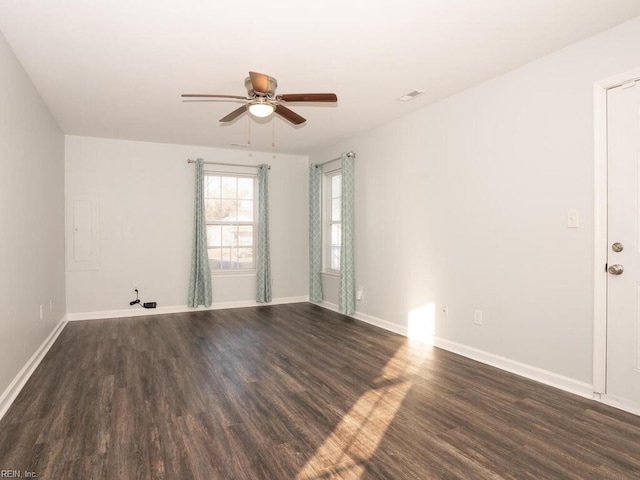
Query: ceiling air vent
[(410, 96)]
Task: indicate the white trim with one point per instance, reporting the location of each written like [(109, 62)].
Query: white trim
[(378, 322), (228, 272), (533, 373), (621, 404), (140, 312), (18, 383), (600, 244), (600, 239)]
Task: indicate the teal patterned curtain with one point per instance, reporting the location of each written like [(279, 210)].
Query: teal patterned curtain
[(347, 300), (263, 260), (200, 278), (315, 234)]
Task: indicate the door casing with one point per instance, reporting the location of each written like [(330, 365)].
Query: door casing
[(600, 228)]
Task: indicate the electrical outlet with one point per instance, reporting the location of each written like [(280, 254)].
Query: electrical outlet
[(359, 293), (477, 317), (41, 311), (50, 306)]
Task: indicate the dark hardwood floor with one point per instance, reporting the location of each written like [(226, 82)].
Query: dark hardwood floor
[(295, 392)]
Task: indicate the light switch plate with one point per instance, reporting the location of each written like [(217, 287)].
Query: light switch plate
[(573, 218)]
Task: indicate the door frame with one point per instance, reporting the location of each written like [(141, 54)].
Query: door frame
[(600, 243)]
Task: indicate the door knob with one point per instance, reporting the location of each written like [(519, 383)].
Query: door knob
[(616, 269), (617, 247)]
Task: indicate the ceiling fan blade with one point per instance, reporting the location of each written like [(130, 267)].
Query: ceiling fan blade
[(235, 114), (260, 82), (206, 95), (290, 115), (308, 97), (210, 100)]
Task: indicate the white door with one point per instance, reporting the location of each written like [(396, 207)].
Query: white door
[(623, 279)]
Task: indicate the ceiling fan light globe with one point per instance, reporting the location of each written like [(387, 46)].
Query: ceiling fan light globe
[(261, 110)]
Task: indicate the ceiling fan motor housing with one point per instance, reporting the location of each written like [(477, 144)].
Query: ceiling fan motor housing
[(271, 90)]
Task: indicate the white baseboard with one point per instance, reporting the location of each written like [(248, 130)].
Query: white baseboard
[(378, 322), (621, 404), (12, 391), (139, 312), (533, 373)]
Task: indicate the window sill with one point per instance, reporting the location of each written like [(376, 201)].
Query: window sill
[(250, 273), (330, 274)]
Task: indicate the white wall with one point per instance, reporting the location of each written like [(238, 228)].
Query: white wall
[(31, 218), (464, 204), (145, 196)]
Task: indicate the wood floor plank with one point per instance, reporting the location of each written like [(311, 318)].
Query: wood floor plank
[(295, 392)]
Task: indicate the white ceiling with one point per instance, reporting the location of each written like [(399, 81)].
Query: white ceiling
[(116, 68)]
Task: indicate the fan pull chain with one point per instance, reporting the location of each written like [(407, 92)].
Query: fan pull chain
[(248, 130), (273, 133)]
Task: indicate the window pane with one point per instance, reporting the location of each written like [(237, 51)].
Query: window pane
[(335, 210), (332, 203), (245, 188), (213, 210), (336, 183), (221, 210), (215, 254), (229, 200), (233, 257), (209, 209), (336, 235), (245, 257), (212, 186), (229, 235), (335, 258), (230, 209), (245, 210), (245, 235), (226, 258), (230, 187), (214, 236)]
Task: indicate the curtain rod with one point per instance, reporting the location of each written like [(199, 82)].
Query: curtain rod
[(349, 154), (228, 164)]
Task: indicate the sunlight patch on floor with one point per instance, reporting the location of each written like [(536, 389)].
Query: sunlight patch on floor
[(354, 441)]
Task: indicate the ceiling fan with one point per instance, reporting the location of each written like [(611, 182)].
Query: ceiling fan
[(262, 101)]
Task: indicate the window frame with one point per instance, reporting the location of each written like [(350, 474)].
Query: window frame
[(327, 220), (254, 223)]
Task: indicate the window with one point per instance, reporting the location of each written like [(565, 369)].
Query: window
[(230, 212), (332, 215)]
